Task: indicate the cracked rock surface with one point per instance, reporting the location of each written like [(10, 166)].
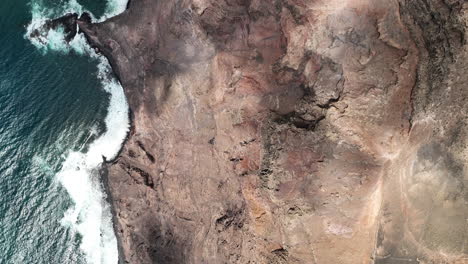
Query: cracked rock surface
[(291, 131)]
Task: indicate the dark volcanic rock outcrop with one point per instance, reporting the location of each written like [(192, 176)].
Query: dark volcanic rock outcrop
[(67, 23), (291, 131)]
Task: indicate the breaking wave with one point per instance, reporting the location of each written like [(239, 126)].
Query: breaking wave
[(115, 7), (90, 216)]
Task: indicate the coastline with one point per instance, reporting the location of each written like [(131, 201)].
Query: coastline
[(45, 32), (103, 173), (103, 170), (104, 176)]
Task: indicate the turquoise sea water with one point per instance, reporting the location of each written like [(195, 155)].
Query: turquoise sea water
[(60, 112)]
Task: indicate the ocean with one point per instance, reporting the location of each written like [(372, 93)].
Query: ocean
[(61, 111)]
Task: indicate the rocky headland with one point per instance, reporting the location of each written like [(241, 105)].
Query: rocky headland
[(291, 131)]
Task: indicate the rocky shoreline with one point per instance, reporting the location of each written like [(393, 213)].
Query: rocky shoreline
[(104, 176), (293, 132)]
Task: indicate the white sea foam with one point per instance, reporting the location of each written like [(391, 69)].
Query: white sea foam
[(113, 8), (90, 215)]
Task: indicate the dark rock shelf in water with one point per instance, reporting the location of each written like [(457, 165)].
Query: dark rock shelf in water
[(67, 22)]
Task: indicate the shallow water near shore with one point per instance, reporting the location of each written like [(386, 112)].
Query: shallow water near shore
[(61, 110)]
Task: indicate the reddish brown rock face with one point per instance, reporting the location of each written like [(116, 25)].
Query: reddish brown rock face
[(291, 131)]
